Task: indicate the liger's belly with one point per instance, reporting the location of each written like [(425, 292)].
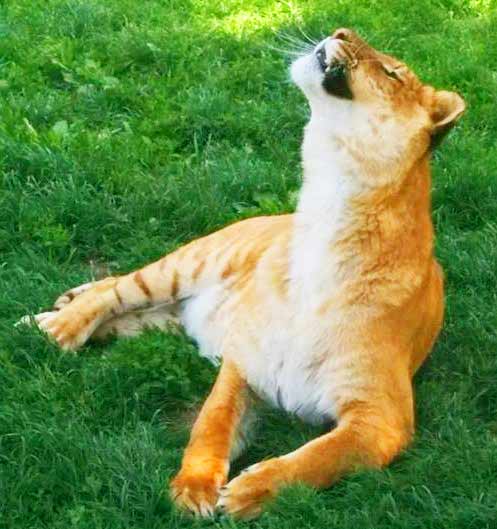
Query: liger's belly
[(286, 372), (203, 321), (275, 354)]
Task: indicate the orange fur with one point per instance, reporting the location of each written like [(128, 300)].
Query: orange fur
[(375, 320)]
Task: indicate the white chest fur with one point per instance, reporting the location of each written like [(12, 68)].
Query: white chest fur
[(322, 213), (289, 355)]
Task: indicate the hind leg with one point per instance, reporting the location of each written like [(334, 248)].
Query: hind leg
[(133, 323)]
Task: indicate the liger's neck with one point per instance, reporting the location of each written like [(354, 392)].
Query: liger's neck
[(344, 223)]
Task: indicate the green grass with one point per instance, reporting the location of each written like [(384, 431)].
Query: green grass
[(127, 128)]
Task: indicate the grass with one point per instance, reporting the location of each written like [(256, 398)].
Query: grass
[(128, 128)]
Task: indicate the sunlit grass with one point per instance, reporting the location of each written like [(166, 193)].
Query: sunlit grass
[(482, 6), (252, 17)]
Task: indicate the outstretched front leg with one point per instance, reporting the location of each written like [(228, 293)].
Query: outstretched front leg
[(369, 434), (205, 465)]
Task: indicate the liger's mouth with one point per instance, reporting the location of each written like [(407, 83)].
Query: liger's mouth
[(333, 67), (333, 62), (335, 80)]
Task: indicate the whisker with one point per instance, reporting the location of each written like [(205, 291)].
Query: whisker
[(294, 53), (296, 40), (307, 37), (296, 47), (288, 37)]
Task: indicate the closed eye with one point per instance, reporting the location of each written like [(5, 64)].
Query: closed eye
[(392, 73)]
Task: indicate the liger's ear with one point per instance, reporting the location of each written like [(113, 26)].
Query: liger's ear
[(447, 108)]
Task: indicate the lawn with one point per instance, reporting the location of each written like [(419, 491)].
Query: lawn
[(129, 127)]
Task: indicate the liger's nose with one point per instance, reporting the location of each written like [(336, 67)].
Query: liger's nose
[(321, 57)]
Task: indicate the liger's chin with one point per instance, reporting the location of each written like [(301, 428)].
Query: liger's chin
[(307, 74)]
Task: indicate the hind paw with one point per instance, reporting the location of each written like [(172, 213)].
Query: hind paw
[(197, 493), (244, 496)]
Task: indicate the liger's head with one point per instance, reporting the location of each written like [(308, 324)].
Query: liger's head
[(356, 87)]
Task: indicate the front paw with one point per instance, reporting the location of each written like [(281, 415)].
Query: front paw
[(244, 496), (197, 492)]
